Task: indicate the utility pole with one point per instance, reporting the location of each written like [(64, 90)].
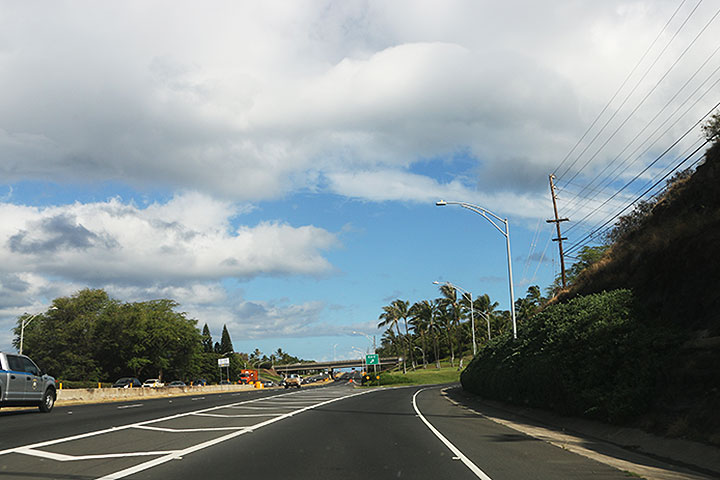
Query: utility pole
[(557, 221)]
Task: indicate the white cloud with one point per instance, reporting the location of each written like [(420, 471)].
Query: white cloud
[(395, 185), (188, 238), (251, 101)]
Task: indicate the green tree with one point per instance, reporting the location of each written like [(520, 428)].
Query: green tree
[(225, 342), (389, 318), (62, 340), (207, 342), (711, 128), (451, 312), (423, 318)]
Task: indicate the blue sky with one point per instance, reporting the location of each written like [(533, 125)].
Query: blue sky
[(274, 167)]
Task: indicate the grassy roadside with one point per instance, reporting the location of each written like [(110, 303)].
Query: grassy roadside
[(421, 376)]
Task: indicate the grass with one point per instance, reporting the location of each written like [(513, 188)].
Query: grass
[(421, 376)]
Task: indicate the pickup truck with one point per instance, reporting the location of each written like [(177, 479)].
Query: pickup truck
[(22, 383)]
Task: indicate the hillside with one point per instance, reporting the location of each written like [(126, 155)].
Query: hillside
[(672, 266), (635, 340), (671, 262)]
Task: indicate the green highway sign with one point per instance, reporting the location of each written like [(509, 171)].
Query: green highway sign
[(373, 359)]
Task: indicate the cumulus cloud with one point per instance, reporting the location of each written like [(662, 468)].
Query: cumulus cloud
[(189, 238), (216, 100)]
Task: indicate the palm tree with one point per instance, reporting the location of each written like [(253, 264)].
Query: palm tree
[(389, 318), (403, 312), (451, 315), (421, 314), (485, 307)]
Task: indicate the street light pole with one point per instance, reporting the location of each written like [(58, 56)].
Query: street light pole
[(25, 322), (373, 344), (22, 330), (506, 233), (472, 313)]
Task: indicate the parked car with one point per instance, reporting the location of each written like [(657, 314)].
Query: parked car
[(23, 384), (128, 382), (268, 383), (153, 383), (200, 382), (177, 383)]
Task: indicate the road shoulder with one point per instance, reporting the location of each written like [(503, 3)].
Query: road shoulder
[(631, 450)]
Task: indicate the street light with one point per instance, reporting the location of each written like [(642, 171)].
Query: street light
[(25, 322), (372, 339), (373, 344), (472, 312), (486, 214)]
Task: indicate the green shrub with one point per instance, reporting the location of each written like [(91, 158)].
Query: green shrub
[(592, 356)]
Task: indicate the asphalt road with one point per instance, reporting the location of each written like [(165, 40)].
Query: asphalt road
[(314, 433)]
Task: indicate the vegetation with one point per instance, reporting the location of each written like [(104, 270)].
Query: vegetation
[(593, 356), (430, 376), (441, 328), (89, 338), (634, 337)]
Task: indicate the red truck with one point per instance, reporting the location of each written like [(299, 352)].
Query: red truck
[(248, 376)]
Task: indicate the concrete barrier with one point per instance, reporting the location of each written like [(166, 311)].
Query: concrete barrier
[(98, 395)]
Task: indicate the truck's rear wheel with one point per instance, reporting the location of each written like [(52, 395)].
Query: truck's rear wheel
[(48, 401)]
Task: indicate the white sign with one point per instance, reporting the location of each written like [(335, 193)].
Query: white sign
[(223, 362)]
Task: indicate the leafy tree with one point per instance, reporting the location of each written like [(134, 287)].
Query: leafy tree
[(711, 128), (62, 339)]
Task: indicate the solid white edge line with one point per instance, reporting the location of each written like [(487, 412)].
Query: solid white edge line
[(468, 463), (159, 461)]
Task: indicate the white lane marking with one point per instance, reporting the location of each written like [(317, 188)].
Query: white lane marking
[(197, 398), (185, 430), (74, 458), (130, 406), (159, 461), (468, 463), (252, 407), (123, 427), (240, 415)]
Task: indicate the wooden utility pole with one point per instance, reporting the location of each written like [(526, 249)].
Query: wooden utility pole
[(557, 221)]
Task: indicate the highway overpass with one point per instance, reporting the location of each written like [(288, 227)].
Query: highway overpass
[(308, 367)]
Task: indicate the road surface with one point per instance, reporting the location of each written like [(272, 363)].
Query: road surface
[(330, 432)]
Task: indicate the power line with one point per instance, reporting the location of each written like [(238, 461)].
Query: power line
[(595, 232), (647, 124), (637, 84), (647, 95), (667, 150), (615, 174), (607, 105)]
